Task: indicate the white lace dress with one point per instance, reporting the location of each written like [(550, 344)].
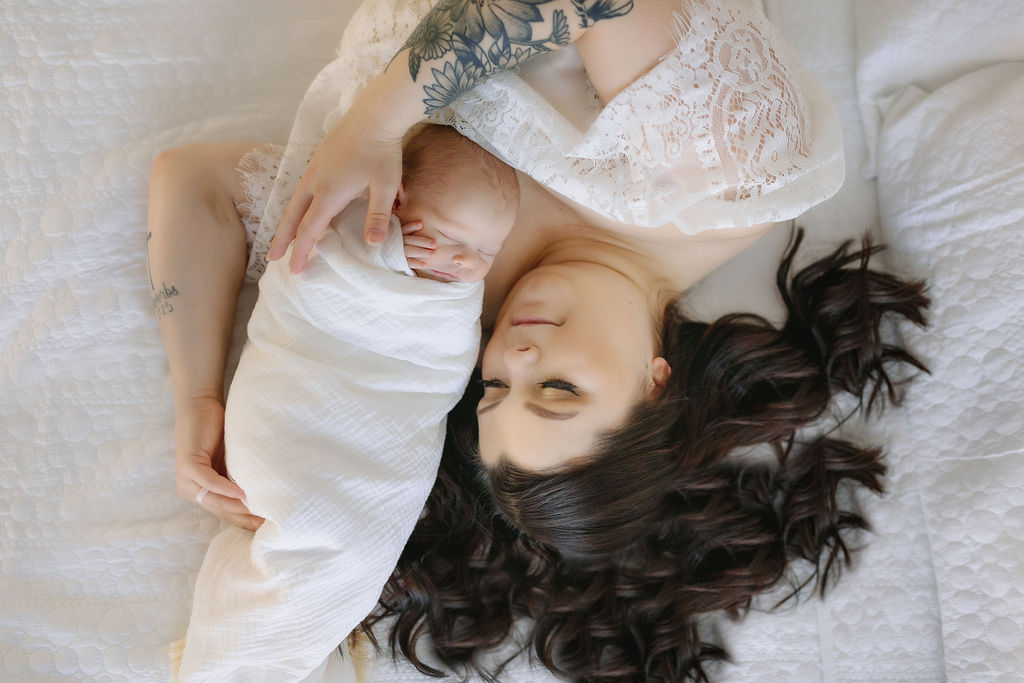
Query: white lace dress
[(726, 130)]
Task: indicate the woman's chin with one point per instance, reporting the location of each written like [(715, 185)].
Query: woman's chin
[(537, 293), (549, 293)]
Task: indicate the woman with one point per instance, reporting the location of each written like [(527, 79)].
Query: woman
[(606, 419)]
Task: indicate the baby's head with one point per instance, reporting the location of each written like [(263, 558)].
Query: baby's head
[(465, 198)]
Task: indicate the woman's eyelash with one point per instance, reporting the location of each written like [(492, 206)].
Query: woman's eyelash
[(560, 384), (548, 384)]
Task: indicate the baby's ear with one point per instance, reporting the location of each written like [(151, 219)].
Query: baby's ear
[(400, 198)]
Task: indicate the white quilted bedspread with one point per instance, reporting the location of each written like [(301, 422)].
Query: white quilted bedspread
[(98, 556), (97, 553)]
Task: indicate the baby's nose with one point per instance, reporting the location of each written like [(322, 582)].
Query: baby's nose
[(464, 258)]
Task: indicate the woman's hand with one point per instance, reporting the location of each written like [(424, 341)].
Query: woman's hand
[(360, 156), (353, 160), (199, 453)]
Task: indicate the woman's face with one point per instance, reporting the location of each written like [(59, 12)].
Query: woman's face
[(572, 352)]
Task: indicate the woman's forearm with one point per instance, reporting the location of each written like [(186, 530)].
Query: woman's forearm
[(197, 258), (461, 43)]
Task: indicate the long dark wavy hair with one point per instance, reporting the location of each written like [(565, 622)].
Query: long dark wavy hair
[(612, 562)]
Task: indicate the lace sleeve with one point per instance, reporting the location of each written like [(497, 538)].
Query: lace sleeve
[(727, 130)]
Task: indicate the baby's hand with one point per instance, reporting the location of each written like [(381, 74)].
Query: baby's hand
[(418, 248)]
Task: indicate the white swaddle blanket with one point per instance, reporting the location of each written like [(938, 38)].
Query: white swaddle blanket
[(334, 427)]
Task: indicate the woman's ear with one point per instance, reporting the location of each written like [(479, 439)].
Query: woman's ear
[(660, 372), (400, 198)]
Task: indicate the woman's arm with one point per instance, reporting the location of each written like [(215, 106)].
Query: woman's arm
[(457, 45), (197, 258)]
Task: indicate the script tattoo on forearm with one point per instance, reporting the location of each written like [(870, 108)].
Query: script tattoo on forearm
[(149, 272), (161, 297), (481, 37), (162, 300)]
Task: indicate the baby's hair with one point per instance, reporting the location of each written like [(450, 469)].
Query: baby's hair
[(465, 165)]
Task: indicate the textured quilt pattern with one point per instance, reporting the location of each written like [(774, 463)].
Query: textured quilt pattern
[(97, 552)]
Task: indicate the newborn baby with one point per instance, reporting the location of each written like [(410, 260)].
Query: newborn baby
[(335, 418), (456, 204)]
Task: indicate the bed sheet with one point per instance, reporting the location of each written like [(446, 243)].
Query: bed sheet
[(881, 622), (951, 194), (931, 596), (927, 43), (98, 555)]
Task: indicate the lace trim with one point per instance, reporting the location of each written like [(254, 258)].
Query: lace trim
[(258, 170), (726, 130)]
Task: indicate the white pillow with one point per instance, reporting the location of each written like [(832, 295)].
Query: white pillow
[(951, 189), (928, 43)]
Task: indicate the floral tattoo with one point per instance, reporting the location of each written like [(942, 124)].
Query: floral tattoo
[(486, 36)]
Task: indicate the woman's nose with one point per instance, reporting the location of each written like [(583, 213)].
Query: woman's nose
[(520, 356), (464, 258)]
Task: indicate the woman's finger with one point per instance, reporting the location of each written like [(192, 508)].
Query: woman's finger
[(232, 511), (412, 227), (378, 215), (296, 209), (416, 263), (218, 504), (417, 253), (206, 477), (319, 214), (247, 522)]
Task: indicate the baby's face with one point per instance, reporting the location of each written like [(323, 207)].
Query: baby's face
[(467, 231)]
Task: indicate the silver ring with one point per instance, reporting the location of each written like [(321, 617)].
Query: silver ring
[(202, 494)]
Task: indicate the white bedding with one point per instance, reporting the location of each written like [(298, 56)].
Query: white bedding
[(951, 179), (927, 44), (98, 555)]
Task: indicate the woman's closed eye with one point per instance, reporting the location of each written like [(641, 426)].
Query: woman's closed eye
[(556, 384), (560, 385)]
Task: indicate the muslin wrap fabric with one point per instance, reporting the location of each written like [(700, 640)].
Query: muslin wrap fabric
[(334, 425)]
